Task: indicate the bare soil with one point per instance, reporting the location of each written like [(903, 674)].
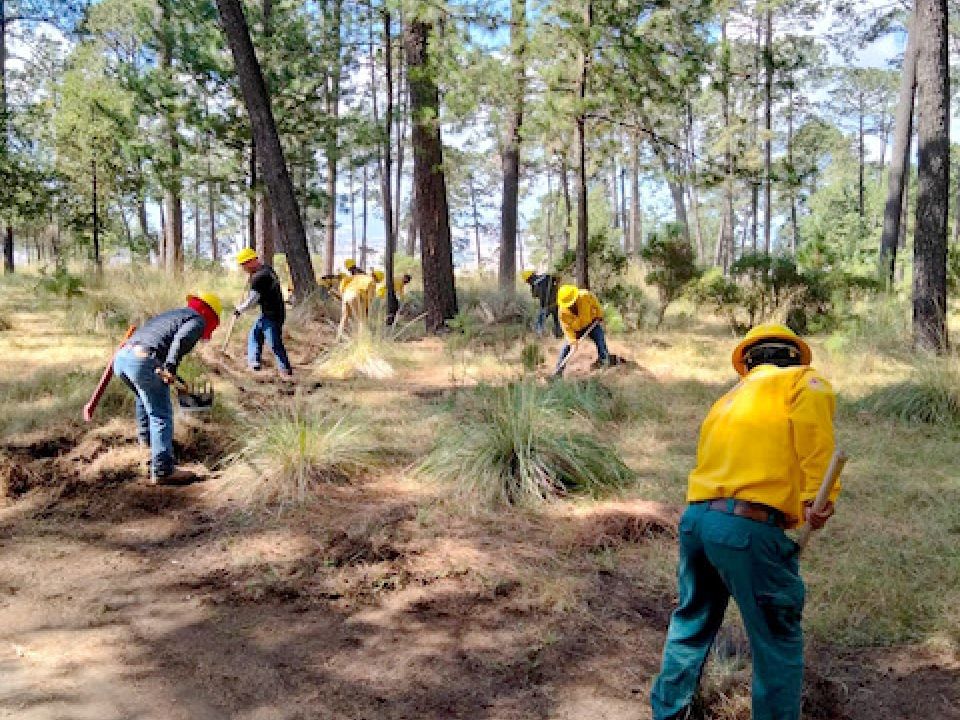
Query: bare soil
[(378, 602)]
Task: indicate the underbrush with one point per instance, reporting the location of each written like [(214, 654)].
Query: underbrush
[(930, 395), (369, 350), (294, 450), (522, 444)]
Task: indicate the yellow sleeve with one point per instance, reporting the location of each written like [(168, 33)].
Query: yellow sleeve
[(596, 311), (811, 410)]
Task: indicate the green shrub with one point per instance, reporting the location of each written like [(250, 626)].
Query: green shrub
[(672, 264), (61, 283), (532, 357), (521, 447)]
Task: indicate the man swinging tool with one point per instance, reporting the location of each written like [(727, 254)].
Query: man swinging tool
[(543, 287), (763, 449), (580, 316), (265, 291), (147, 363)]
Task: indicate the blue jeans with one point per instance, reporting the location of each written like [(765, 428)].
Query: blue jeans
[(273, 332), (154, 408), (542, 315), (722, 555), (598, 338)]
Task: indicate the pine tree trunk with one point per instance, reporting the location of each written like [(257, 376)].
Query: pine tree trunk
[(582, 262), (614, 193), (332, 150), (933, 184), (476, 218), (861, 155), (430, 191), (768, 139), (266, 242), (635, 236), (272, 161), (692, 183), (510, 159), (386, 174), (567, 207), (8, 264), (791, 171), (900, 161)]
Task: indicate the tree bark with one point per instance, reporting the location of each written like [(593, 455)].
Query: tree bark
[(582, 262), (332, 150), (692, 183), (861, 154), (476, 218), (510, 158), (386, 173), (768, 139), (8, 262), (272, 161), (635, 219), (791, 171), (430, 191), (567, 208), (933, 184), (266, 241), (900, 161), (173, 187)]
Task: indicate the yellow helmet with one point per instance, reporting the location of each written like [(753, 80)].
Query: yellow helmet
[(212, 300), (567, 295), (349, 263), (246, 255), (526, 275), (768, 331)]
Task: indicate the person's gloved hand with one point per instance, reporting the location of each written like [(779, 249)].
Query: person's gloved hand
[(817, 520), (168, 377)]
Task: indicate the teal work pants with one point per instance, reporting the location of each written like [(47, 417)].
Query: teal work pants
[(723, 555)]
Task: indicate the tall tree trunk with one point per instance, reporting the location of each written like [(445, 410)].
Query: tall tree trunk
[(755, 136), (726, 250), (510, 159), (900, 161), (636, 237), (430, 191), (332, 149), (266, 242), (386, 173), (567, 207), (353, 215), (252, 195), (212, 217), (933, 184), (476, 218), (174, 182), (364, 193), (861, 155), (272, 161), (791, 170), (768, 138), (548, 218), (401, 130), (8, 264), (582, 268), (614, 193), (97, 262), (692, 182)]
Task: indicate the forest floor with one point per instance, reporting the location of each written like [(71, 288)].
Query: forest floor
[(384, 600)]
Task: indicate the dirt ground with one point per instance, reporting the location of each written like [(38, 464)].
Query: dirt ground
[(379, 602)]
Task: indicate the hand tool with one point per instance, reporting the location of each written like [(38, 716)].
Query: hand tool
[(104, 379)]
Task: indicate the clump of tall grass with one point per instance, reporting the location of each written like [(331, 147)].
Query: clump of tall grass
[(932, 395), (5, 324), (369, 350), (522, 446), (294, 450)]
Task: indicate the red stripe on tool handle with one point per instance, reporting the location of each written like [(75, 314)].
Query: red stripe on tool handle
[(104, 380)]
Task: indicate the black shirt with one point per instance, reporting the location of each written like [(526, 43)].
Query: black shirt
[(267, 285)]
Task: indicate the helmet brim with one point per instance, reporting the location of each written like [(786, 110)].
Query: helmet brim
[(739, 352)]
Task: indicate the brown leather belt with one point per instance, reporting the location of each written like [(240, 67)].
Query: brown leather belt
[(749, 510)]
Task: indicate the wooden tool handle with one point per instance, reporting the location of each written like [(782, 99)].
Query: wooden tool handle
[(101, 388), (830, 478)]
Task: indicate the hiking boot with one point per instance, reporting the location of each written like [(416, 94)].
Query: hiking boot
[(174, 477)]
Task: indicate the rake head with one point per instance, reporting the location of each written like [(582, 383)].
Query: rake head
[(196, 397)]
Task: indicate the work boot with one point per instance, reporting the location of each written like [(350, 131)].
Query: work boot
[(174, 477)]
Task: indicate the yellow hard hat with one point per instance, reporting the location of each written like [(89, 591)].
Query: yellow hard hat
[(526, 275), (212, 300), (768, 331), (378, 275), (246, 255), (567, 295), (349, 263)]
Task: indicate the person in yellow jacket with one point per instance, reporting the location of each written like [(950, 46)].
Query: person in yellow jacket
[(399, 287), (357, 294), (763, 450), (580, 315)]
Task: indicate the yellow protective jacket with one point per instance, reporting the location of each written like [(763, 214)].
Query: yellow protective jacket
[(769, 440), (580, 315), (398, 287), (360, 286)]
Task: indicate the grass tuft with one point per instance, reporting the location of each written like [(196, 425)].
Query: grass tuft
[(522, 449), (931, 396), (294, 450)]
